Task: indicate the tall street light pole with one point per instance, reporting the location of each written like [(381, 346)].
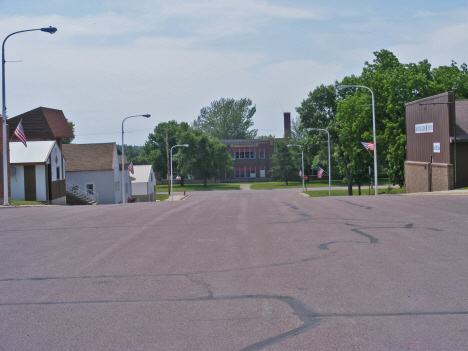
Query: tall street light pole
[(122, 187), (339, 87), (183, 145), (6, 201), (329, 160), (302, 152)]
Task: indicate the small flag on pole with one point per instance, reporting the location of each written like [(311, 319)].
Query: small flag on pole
[(300, 173), (130, 168), (19, 132), (320, 172), (368, 146)]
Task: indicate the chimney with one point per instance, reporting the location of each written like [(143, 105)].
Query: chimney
[(287, 124)]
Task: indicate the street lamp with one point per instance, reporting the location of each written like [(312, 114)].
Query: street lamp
[(302, 152), (339, 87), (183, 145), (6, 202), (122, 188), (329, 160)]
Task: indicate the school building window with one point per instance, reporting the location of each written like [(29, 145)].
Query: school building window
[(244, 172), (261, 152), (244, 153), (262, 171)]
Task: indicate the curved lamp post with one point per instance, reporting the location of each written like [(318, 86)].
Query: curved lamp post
[(302, 152), (183, 145), (329, 161), (122, 188), (6, 202), (339, 87)]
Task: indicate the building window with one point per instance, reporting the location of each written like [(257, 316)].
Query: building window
[(12, 171), (58, 173), (262, 171), (89, 188), (245, 172), (261, 153), (244, 153)]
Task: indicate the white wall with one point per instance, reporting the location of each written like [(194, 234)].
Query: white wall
[(103, 183), (56, 153), (139, 188), (41, 187), (17, 184)]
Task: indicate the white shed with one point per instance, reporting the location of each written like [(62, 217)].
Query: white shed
[(144, 184), (37, 172)]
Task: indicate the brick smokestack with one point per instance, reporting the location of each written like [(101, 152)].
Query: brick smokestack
[(287, 124)]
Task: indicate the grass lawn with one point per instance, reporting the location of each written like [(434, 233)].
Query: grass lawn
[(344, 192), (198, 187), (17, 202), (311, 184), (162, 197)]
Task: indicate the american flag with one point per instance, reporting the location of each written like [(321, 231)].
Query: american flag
[(320, 172), (130, 168), (368, 146), (300, 173), (19, 132)]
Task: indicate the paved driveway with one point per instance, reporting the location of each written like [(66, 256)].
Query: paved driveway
[(237, 270)]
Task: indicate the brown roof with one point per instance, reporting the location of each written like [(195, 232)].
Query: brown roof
[(89, 157), (461, 115), (42, 123)]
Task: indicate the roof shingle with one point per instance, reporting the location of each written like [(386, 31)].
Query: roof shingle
[(89, 157), (42, 123)]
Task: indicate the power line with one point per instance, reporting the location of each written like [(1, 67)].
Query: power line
[(135, 131)]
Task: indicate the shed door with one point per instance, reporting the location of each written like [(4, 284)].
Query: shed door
[(30, 183)]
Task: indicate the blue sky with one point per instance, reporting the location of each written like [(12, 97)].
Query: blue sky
[(113, 59)]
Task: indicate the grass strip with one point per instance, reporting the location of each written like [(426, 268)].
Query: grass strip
[(199, 187), (162, 197), (344, 192), (18, 202)]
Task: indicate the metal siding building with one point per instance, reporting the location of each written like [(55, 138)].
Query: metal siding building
[(437, 143)]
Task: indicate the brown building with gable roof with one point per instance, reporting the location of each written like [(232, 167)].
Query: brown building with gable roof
[(436, 144), (42, 123)]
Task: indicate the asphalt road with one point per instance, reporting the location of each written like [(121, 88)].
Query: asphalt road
[(237, 270)]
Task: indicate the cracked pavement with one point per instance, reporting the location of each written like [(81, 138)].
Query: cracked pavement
[(237, 270)]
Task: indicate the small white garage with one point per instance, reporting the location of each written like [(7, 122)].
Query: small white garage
[(144, 183), (37, 172)]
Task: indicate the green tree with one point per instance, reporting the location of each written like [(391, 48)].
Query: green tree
[(227, 119), (285, 165), (393, 84), (204, 158), (155, 151), (319, 111), (72, 127)]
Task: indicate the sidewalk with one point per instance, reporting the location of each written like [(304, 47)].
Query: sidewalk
[(443, 192), (177, 196)]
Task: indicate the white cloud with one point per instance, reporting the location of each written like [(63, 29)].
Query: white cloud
[(169, 59)]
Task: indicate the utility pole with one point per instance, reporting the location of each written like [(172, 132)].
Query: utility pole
[(168, 166)]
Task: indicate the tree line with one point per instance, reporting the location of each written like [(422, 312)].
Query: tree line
[(346, 114), (206, 156)]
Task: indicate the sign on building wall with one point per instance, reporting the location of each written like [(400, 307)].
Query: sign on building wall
[(436, 148), (424, 128)]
